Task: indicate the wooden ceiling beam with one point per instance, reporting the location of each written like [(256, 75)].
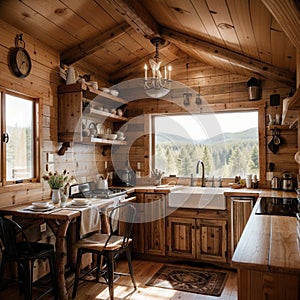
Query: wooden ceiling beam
[(90, 46), (137, 16), (220, 53), (287, 14)]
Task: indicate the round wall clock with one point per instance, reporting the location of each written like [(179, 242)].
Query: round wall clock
[(20, 62)]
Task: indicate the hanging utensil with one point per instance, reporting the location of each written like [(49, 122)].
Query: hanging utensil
[(272, 146), (276, 138)]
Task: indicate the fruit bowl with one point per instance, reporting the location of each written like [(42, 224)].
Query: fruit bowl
[(237, 185)]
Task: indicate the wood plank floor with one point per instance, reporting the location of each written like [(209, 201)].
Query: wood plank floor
[(143, 271)]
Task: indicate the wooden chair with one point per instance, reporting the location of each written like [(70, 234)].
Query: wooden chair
[(16, 248), (108, 246)]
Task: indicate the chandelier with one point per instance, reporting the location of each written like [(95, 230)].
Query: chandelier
[(157, 86)]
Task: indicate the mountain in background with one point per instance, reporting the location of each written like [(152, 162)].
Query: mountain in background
[(249, 134)]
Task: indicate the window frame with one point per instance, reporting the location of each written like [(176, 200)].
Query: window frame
[(234, 107), (36, 137)]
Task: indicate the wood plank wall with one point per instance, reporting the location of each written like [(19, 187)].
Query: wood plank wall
[(86, 161), (227, 95), (82, 161)]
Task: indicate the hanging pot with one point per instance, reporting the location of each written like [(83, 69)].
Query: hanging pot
[(272, 146)]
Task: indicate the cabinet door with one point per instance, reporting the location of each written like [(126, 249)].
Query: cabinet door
[(181, 237), (211, 240), (240, 213), (154, 213)]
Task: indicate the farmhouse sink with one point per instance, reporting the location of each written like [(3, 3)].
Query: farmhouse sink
[(198, 197)]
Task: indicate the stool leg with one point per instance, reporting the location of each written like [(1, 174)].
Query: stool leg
[(98, 267), (77, 272), (28, 270), (130, 266), (2, 269), (110, 272), (53, 275)]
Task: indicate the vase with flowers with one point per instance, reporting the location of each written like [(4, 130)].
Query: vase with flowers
[(57, 182)]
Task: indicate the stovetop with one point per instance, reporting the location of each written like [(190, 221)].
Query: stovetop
[(278, 206), (86, 190)]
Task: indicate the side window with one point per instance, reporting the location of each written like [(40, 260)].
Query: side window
[(20, 140)]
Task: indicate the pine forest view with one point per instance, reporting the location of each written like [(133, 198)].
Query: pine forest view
[(19, 148), (226, 142)]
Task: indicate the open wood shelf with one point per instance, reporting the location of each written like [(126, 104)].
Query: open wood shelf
[(93, 140), (89, 92), (73, 111), (283, 127), (93, 112), (294, 103), (292, 110)]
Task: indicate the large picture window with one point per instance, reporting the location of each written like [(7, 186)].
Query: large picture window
[(19, 156), (226, 142)]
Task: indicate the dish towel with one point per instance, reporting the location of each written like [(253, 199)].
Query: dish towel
[(90, 220)]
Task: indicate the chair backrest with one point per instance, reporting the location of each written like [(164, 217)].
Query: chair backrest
[(121, 221), (9, 230)]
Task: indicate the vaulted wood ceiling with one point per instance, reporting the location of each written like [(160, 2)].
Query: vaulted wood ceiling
[(112, 37)]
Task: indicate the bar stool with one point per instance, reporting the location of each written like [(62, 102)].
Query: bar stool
[(25, 253), (108, 246)]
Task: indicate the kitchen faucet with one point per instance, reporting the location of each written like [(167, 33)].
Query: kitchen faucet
[(197, 171)]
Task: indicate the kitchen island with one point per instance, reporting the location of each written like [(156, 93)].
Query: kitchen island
[(267, 257)]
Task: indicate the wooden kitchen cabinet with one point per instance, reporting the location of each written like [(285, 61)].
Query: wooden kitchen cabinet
[(138, 230), (74, 111), (211, 240), (181, 237), (203, 239), (154, 214)]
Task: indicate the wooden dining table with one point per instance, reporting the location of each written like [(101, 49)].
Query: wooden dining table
[(58, 220)]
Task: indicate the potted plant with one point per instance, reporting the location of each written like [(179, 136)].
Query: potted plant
[(57, 182)]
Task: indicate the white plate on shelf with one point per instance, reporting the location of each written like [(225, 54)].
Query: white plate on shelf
[(114, 92), (105, 90)]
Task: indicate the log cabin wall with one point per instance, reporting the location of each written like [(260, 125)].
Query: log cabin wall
[(227, 94), (42, 83)]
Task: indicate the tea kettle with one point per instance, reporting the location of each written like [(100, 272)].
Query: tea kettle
[(275, 183), (102, 183)]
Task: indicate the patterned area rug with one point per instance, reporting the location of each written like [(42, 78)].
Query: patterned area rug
[(189, 280)]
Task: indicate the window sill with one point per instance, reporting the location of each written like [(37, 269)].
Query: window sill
[(20, 186)]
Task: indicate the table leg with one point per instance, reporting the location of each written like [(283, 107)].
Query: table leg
[(60, 247)]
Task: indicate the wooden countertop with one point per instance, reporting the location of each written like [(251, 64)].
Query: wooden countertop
[(228, 191), (269, 243)]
